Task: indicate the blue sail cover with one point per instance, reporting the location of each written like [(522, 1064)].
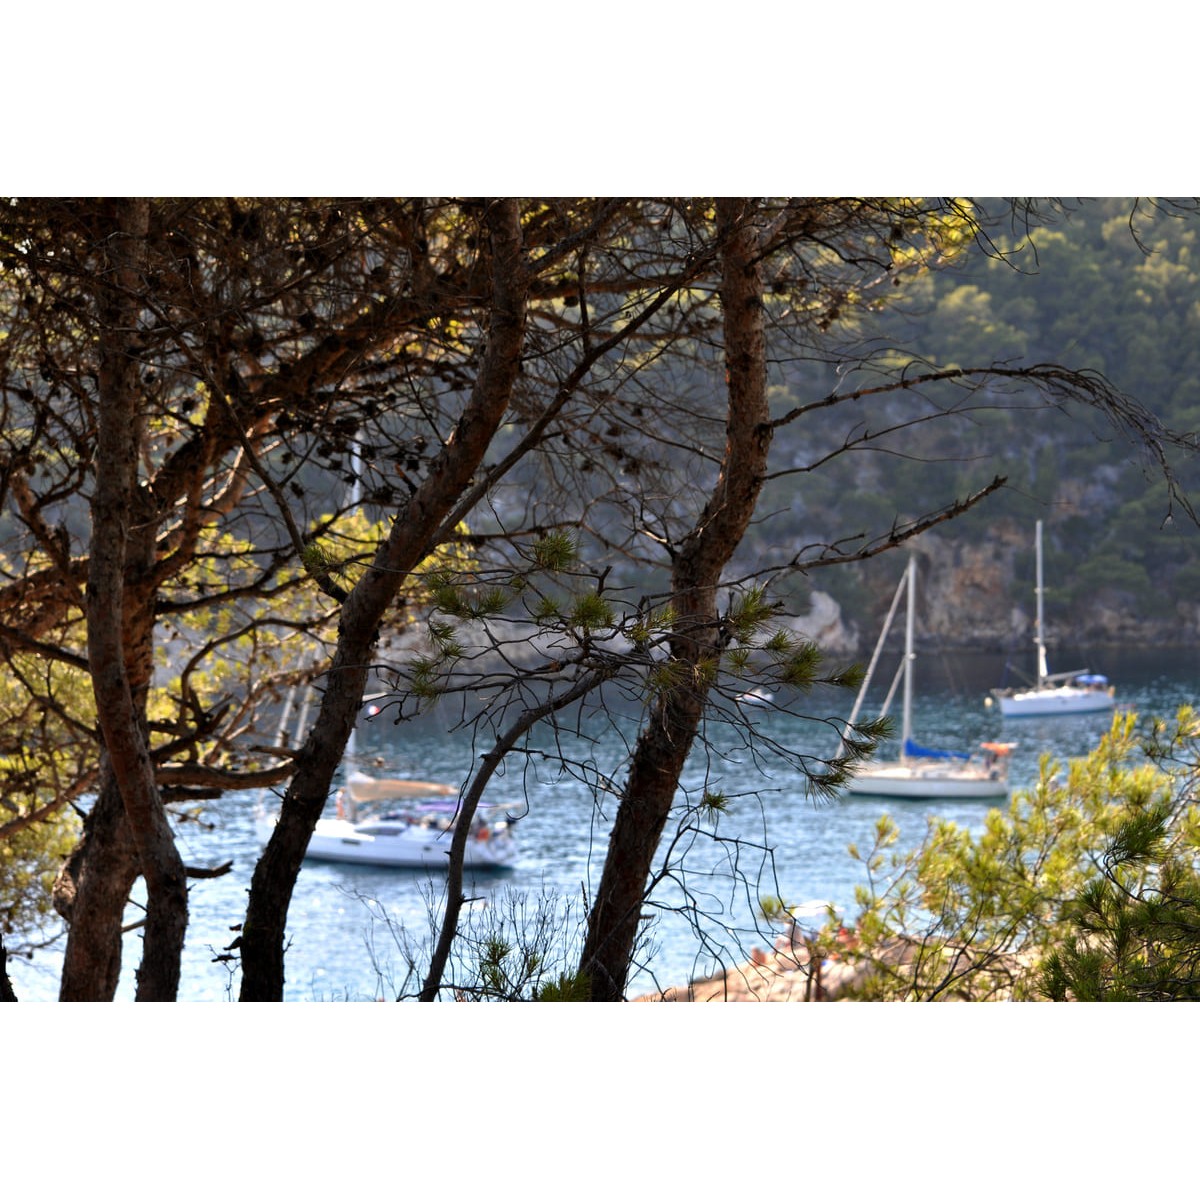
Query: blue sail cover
[(912, 750)]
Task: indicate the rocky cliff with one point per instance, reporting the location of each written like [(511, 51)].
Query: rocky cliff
[(972, 595)]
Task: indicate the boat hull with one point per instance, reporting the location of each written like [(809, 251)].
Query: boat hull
[(908, 781), (1055, 702), (404, 845)]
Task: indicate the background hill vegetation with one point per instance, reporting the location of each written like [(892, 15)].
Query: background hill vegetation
[(1109, 285)]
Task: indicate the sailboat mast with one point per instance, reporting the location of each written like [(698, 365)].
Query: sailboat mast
[(1039, 636), (866, 683), (909, 618), (350, 754)]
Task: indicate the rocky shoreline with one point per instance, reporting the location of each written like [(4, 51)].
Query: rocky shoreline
[(794, 971), (799, 970), (776, 977)]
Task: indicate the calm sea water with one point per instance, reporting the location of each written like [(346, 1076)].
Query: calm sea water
[(346, 922)]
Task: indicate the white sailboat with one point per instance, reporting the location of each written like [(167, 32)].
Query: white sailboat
[(921, 773), (389, 821), (1064, 694), (416, 834)]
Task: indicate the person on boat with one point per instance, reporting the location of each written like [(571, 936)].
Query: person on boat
[(993, 752)]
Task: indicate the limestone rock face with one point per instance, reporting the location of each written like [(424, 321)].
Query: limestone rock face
[(964, 597), (975, 595), (824, 625)]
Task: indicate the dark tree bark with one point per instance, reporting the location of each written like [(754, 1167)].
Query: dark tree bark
[(666, 739), (91, 893), (92, 890), (121, 709), (410, 540), (7, 995)]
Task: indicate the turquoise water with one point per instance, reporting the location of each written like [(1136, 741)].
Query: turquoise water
[(775, 839)]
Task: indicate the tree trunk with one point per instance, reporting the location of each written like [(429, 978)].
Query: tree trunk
[(7, 995), (92, 890), (409, 542), (91, 893), (122, 713), (666, 739)]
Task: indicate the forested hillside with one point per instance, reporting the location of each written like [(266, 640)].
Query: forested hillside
[(1108, 285)]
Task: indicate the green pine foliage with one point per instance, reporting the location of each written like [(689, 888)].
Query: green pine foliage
[(567, 988), (1085, 888)]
